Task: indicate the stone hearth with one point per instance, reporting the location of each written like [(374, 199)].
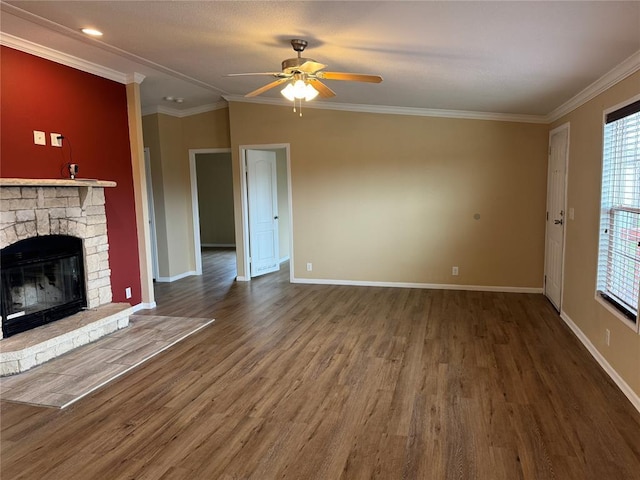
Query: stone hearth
[(33, 347)]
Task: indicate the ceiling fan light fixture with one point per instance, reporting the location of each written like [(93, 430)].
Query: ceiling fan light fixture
[(288, 92), (310, 92), (299, 90)]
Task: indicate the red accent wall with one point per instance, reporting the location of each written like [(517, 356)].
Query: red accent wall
[(91, 113)]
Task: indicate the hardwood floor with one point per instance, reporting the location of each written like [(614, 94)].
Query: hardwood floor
[(335, 382)]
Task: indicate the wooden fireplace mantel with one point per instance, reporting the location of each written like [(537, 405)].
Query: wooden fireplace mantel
[(55, 182)]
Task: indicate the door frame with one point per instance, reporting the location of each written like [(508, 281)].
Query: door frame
[(566, 218), (194, 201), (244, 240), (153, 239)]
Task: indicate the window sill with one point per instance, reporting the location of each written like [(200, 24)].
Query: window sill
[(616, 313)]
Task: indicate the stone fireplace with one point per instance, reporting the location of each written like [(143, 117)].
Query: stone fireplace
[(54, 210)]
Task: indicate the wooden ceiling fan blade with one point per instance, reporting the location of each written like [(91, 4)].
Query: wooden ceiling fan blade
[(311, 67), (266, 87), (350, 77), (270, 74), (323, 90)]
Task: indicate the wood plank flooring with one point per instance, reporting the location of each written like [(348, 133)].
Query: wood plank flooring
[(336, 382)]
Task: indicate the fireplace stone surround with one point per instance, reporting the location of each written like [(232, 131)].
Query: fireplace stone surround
[(38, 207)]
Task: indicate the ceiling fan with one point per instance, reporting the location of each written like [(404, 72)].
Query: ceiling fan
[(303, 76)]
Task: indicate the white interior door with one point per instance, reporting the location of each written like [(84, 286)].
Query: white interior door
[(262, 196), (556, 215)]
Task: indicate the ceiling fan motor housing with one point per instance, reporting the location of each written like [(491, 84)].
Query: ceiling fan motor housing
[(299, 45), (291, 65)]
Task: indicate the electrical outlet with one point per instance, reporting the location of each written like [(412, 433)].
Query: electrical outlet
[(454, 271), (127, 292), (55, 141), (607, 336), (39, 138), (309, 267)]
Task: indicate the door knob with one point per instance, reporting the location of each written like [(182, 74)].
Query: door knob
[(558, 222)]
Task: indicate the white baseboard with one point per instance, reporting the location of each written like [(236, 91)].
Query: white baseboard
[(633, 397), (176, 277), (434, 286), (144, 306)]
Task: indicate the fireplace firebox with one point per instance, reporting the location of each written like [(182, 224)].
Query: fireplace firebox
[(42, 281)]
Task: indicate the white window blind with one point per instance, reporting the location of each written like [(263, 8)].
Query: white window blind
[(619, 254)]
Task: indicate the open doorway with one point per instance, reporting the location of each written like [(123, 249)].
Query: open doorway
[(212, 200), (266, 208)]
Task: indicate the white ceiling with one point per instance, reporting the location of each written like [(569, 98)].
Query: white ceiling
[(515, 57)]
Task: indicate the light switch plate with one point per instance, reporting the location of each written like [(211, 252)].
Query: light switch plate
[(55, 141), (39, 138)]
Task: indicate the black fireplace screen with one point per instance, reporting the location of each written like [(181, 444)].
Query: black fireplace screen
[(42, 281)]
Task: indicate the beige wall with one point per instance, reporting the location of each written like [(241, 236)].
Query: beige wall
[(177, 206), (151, 137), (215, 199), (207, 130), (169, 140), (583, 194), (392, 198)]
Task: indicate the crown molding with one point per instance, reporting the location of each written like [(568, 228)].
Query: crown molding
[(47, 53), (617, 74), (135, 77), (174, 112), (388, 110)]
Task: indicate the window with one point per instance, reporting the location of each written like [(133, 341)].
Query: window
[(619, 254)]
